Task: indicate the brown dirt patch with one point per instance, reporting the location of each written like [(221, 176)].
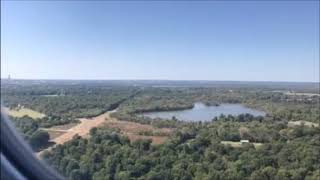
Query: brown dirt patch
[(65, 126), (55, 134), (65, 133), (155, 139), (82, 129), (132, 130), (57, 131), (132, 127)]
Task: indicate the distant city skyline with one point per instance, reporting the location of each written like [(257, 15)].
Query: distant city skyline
[(207, 40)]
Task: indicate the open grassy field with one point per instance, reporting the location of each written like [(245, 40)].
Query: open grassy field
[(306, 123), (301, 94), (24, 112), (239, 144), (62, 127), (59, 130), (135, 131), (55, 134)]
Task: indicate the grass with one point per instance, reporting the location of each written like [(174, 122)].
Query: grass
[(64, 126), (301, 94), (50, 95), (239, 144), (55, 134), (306, 123), (24, 112)]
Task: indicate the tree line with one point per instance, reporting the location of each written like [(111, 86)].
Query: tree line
[(194, 152)]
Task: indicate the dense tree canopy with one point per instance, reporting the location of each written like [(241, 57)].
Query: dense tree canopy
[(29, 128), (195, 150)]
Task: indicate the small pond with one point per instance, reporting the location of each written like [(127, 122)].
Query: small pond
[(201, 112)]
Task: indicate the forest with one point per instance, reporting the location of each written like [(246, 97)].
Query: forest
[(65, 100), (29, 129), (195, 150)]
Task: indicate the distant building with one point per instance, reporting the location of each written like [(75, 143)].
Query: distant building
[(9, 77)]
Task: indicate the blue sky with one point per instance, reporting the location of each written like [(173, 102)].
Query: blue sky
[(242, 41)]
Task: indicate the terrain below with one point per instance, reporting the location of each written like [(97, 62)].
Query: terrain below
[(134, 131)]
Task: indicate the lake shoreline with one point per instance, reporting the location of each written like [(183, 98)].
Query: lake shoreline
[(202, 112)]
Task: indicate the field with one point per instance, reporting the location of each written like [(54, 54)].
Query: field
[(301, 94), (299, 123), (64, 133), (20, 112), (239, 144), (54, 133), (136, 131)]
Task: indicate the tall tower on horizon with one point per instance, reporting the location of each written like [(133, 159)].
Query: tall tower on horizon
[(9, 77)]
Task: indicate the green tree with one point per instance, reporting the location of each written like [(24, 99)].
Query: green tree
[(39, 139)]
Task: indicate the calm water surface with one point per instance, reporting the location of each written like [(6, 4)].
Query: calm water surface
[(201, 112)]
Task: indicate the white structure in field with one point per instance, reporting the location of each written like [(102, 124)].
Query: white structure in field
[(244, 141)]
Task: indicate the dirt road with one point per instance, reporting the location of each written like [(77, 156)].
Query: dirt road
[(81, 129), (131, 129)]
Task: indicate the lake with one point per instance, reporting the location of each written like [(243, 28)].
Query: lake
[(201, 112)]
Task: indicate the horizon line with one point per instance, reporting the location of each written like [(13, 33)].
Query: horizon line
[(190, 80)]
